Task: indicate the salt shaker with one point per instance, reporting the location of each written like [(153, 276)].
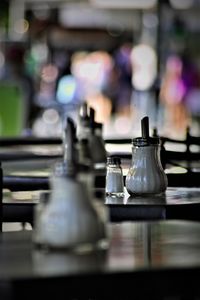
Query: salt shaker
[(146, 174), (114, 177)]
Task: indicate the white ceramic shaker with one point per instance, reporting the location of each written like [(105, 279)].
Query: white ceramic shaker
[(69, 220), (146, 174)]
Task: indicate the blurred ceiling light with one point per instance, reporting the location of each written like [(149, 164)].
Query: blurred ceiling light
[(50, 116), (91, 69), (66, 89), (49, 73), (21, 26), (144, 62), (123, 4), (181, 4), (39, 52)]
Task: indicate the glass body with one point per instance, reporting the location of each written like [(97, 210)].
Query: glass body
[(114, 181), (146, 174)]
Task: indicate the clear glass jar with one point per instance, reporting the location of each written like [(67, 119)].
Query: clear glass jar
[(146, 174), (114, 177)]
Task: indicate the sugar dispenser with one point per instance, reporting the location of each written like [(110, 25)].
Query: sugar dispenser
[(146, 174), (69, 220)]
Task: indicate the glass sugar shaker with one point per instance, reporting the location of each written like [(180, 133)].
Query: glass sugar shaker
[(146, 174), (114, 177)]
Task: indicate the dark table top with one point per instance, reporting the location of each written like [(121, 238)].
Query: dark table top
[(147, 258), (172, 196), (175, 203)]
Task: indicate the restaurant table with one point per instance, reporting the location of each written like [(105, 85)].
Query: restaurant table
[(175, 203), (142, 260)]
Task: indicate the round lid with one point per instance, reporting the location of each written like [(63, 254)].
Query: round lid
[(142, 142)]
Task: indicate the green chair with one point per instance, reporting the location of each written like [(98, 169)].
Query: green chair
[(11, 110)]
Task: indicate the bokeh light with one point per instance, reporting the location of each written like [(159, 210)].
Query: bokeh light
[(21, 26), (144, 62)]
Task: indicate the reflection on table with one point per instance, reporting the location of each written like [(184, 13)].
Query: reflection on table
[(147, 259)]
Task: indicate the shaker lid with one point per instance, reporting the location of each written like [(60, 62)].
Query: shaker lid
[(142, 142)]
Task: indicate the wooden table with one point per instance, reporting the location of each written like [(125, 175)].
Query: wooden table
[(149, 260)]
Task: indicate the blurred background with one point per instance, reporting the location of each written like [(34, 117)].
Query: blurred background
[(126, 59)]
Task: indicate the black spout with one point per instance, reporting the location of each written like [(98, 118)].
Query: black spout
[(145, 128)]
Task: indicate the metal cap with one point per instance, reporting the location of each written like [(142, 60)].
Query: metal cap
[(143, 142)]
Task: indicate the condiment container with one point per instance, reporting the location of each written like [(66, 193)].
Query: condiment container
[(114, 177), (146, 174)]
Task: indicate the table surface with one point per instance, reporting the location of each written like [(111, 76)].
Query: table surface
[(132, 246), (172, 196), (160, 255), (175, 203)]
